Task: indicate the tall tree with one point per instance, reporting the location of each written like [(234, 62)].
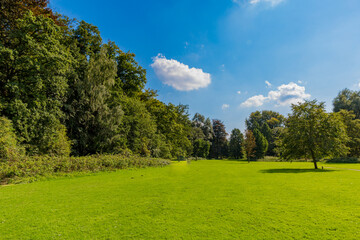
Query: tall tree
[(219, 142), (353, 132), (348, 100), (236, 144), (261, 144), (310, 132), (92, 122), (33, 83), (249, 145)]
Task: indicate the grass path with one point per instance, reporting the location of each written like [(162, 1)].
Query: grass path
[(202, 200)]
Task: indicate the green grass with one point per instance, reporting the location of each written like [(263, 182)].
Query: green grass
[(206, 199)]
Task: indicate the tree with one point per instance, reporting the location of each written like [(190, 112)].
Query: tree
[(249, 145), (33, 84), (201, 148), (236, 144), (261, 144), (348, 100), (310, 132), (353, 132), (219, 142), (266, 122), (92, 122)]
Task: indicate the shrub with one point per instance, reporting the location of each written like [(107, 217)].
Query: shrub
[(343, 160), (39, 166), (9, 148)]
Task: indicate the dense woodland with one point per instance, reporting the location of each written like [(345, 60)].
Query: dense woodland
[(65, 92)]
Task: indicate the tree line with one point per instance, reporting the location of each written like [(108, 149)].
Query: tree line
[(63, 91)]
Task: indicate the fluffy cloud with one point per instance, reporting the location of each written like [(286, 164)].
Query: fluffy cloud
[(285, 94), (272, 2), (179, 75), (255, 101), (225, 106)]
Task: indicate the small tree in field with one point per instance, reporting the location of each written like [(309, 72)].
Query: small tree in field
[(311, 132), (250, 145)]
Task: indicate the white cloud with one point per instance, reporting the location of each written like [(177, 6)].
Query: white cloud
[(285, 95), (254, 101), (288, 94), (272, 2), (268, 84), (238, 92), (225, 106), (179, 75)]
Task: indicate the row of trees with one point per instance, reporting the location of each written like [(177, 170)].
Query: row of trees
[(309, 132), (63, 91)]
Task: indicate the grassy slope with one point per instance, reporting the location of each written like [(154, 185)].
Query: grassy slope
[(202, 200)]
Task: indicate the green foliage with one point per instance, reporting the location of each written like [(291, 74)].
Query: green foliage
[(249, 144), (261, 144), (353, 132), (348, 100), (92, 122), (266, 122), (219, 142), (201, 148), (28, 168), (9, 148), (343, 160), (310, 132), (236, 144), (33, 83)]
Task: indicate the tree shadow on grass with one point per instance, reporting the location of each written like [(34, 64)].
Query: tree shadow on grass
[(294, 170)]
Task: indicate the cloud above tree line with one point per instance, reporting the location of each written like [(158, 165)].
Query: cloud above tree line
[(178, 75), (285, 95)]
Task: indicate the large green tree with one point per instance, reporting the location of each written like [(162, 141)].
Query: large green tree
[(236, 144), (34, 64), (92, 122), (310, 132), (261, 144), (219, 142)]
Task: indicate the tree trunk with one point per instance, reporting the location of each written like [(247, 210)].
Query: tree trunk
[(314, 159)]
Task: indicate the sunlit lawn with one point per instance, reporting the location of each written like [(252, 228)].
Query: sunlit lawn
[(203, 200)]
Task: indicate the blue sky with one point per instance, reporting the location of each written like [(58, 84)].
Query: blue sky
[(228, 58)]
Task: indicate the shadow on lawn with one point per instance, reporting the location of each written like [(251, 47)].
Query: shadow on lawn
[(294, 170)]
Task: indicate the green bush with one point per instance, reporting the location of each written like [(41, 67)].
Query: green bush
[(38, 166), (343, 160), (9, 148)]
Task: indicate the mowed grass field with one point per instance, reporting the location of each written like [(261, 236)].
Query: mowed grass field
[(206, 199)]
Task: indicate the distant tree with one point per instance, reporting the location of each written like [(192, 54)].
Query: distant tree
[(236, 144), (249, 145), (266, 122), (310, 132), (219, 142), (201, 148), (261, 144), (348, 100), (257, 119), (353, 132)]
